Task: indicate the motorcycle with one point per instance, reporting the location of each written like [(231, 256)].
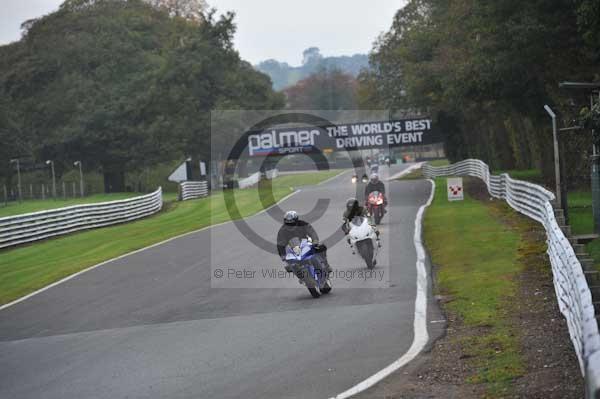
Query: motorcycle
[(375, 206), (362, 236), (303, 259)]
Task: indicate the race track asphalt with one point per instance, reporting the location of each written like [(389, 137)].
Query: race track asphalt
[(150, 325)]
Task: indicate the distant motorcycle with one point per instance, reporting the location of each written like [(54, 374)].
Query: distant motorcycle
[(362, 236), (375, 206), (304, 261)]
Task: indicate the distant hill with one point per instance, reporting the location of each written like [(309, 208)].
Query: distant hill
[(283, 75)]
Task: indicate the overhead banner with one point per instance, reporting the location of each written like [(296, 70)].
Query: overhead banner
[(341, 137)]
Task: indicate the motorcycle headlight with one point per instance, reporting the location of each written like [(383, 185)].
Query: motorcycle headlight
[(379, 202)]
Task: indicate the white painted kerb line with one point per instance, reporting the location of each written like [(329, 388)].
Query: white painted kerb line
[(421, 337)]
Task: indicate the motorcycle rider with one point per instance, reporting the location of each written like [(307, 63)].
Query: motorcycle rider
[(294, 227), (375, 185), (354, 209)]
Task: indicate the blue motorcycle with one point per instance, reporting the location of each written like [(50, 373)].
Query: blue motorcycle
[(308, 265)]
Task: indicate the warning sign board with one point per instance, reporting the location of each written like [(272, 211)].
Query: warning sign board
[(455, 189)]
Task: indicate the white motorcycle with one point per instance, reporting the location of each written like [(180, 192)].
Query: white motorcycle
[(362, 236)]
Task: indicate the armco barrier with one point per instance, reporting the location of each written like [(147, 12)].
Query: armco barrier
[(20, 229), (249, 181), (572, 290), (272, 174), (193, 189)]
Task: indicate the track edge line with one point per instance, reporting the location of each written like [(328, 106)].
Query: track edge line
[(421, 336)]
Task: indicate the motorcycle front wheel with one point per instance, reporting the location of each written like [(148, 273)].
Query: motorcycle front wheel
[(365, 249), (377, 216), (326, 288), (312, 286)]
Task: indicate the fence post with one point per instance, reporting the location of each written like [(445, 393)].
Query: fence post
[(31, 191), (64, 190), (5, 196), (73, 185), (43, 192)]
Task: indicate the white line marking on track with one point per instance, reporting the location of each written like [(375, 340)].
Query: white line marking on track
[(331, 178), (421, 336), (72, 276)]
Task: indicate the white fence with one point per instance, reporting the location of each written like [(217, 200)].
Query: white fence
[(272, 174), (249, 181), (193, 189), (572, 290), (35, 226)]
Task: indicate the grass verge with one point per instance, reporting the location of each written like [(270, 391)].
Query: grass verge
[(477, 260), (531, 175), (28, 268)]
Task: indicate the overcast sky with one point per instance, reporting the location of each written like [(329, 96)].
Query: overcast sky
[(279, 29)]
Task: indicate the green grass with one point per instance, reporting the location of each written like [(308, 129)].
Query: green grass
[(15, 208), (439, 162), (28, 268), (532, 175), (581, 219), (477, 260), (580, 212)]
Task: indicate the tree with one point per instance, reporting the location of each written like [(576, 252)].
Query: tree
[(284, 75), (484, 69), (311, 55), (122, 86), (189, 9), (324, 90)]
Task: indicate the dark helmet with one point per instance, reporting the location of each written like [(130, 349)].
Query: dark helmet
[(374, 177), (290, 217), (352, 204)]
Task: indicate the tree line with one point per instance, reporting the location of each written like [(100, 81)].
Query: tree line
[(121, 85), (484, 70), (313, 62)]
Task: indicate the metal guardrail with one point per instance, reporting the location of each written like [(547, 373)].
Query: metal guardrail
[(199, 189), (29, 227), (572, 290), (272, 174), (249, 181), (193, 189)]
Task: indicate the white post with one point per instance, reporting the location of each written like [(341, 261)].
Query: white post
[(556, 155)]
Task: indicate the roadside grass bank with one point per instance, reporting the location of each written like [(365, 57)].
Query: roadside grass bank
[(495, 281), (505, 336), (477, 259), (28, 268), (530, 175)]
